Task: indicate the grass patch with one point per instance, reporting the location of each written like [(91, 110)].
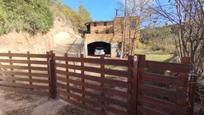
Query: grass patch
[(154, 56)]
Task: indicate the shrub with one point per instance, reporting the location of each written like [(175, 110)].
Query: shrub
[(25, 15)]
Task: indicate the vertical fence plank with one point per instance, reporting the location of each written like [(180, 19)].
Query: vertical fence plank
[(132, 79), (192, 89), (29, 67), (181, 88), (140, 93), (102, 85), (189, 87), (82, 78), (11, 64), (67, 75), (52, 76)]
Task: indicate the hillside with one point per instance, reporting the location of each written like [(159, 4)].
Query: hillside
[(38, 26)]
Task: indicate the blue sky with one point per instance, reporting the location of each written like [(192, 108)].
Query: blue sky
[(99, 9), (102, 10)]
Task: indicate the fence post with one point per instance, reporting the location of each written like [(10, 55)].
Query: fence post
[(132, 79), (67, 74), (192, 89), (11, 65), (52, 76), (140, 93), (102, 83), (29, 68), (181, 89), (188, 87), (82, 78)]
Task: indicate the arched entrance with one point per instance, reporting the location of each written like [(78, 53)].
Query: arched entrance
[(92, 47)]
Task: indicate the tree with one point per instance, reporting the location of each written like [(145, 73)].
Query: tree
[(130, 8), (77, 17), (187, 16), (84, 15)]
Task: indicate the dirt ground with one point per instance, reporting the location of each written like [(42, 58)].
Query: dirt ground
[(15, 101)]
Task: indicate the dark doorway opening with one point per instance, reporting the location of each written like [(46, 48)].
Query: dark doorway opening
[(94, 45)]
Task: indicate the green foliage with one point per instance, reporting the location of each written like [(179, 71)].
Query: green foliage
[(160, 38), (84, 15), (78, 17), (25, 15)]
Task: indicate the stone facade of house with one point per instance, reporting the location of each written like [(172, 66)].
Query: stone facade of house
[(100, 33)]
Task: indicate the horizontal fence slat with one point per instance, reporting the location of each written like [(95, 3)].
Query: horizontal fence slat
[(23, 67), (96, 79), (95, 88), (115, 111), (24, 55), (97, 112), (29, 80), (69, 88), (155, 90), (23, 61), (72, 59), (167, 66), (150, 111), (115, 62), (161, 104), (98, 70), (20, 85), (107, 99), (44, 75), (157, 78), (86, 100), (108, 91)]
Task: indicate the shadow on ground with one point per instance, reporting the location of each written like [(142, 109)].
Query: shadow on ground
[(15, 101)]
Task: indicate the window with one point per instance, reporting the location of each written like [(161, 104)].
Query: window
[(107, 31), (133, 24), (96, 31), (105, 23), (94, 23)]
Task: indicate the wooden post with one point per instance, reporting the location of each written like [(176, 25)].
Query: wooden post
[(29, 67), (133, 85), (181, 89), (52, 76), (82, 78), (67, 74), (192, 89), (102, 84), (11, 64), (140, 93), (189, 86)]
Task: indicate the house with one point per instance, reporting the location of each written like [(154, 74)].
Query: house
[(109, 35)]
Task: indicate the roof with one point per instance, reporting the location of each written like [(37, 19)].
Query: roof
[(109, 20), (98, 22)]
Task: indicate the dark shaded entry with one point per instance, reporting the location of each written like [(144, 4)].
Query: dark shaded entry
[(94, 45)]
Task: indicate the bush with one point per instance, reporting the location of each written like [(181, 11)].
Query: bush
[(159, 39), (77, 17), (25, 15)]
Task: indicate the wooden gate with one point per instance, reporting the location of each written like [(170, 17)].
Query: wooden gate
[(133, 86), (163, 88)]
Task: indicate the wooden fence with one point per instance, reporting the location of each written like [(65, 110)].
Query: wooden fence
[(24, 70), (163, 88), (103, 85)]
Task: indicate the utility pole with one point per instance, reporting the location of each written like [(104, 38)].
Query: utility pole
[(123, 31)]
